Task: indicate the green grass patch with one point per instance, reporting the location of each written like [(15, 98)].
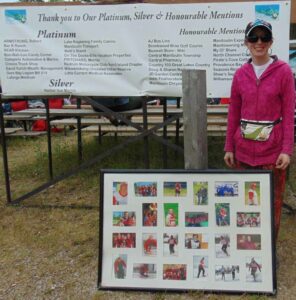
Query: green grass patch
[(49, 244)]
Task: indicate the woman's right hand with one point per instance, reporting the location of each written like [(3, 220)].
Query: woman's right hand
[(229, 159)]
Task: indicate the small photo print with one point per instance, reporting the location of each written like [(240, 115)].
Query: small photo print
[(222, 214), (222, 245), (200, 267), (119, 266), (124, 240), (149, 241), (253, 269), (124, 218), (196, 219), (200, 192), (171, 213), (170, 244), (144, 271), (249, 242), (149, 214), (196, 241), (226, 188), (175, 189), (252, 193), (227, 273), (174, 272), (248, 219), (145, 189), (120, 193)]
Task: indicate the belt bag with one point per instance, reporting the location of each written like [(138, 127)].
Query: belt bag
[(257, 130)]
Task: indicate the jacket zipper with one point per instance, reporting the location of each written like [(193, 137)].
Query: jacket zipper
[(257, 93)]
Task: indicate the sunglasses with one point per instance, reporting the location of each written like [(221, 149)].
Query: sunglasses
[(263, 38)]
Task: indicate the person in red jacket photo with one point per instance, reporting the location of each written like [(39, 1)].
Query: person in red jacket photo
[(150, 245), (252, 194), (260, 130), (120, 267)]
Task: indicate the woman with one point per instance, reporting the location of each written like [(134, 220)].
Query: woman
[(225, 244), (201, 268), (253, 266), (172, 242), (260, 133)]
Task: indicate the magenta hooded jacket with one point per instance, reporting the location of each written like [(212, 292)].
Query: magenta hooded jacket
[(268, 98)]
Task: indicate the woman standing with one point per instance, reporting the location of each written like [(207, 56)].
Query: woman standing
[(201, 267), (253, 266), (260, 133), (172, 242)]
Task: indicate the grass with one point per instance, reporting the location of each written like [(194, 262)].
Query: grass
[(49, 244)]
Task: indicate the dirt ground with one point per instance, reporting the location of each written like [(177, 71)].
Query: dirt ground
[(49, 246)]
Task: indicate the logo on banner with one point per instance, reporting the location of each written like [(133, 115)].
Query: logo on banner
[(15, 16), (269, 12)]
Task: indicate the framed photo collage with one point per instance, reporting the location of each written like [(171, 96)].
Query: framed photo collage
[(186, 230)]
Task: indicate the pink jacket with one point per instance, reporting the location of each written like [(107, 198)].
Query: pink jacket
[(268, 98)]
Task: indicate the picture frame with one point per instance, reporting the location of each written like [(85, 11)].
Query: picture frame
[(216, 235)]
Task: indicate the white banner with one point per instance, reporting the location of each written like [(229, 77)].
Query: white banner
[(131, 49)]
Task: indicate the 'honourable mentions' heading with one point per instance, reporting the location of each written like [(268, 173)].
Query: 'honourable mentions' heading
[(202, 15), (210, 30)]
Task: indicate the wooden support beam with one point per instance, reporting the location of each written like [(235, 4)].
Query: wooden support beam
[(195, 119)]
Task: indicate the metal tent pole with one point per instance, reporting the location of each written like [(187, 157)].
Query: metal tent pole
[(4, 153)]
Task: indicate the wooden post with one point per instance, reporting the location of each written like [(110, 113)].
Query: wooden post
[(195, 119)]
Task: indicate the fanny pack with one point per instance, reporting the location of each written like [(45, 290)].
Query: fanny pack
[(257, 130)]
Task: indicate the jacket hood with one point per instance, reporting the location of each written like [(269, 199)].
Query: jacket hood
[(248, 68), (274, 57)]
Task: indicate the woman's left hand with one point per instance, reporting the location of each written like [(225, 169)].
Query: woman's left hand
[(283, 161)]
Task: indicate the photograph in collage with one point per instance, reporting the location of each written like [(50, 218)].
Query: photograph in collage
[(196, 219), (124, 218), (124, 240), (145, 189), (174, 272), (252, 193), (149, 211), (149, 241), (171, 214), (200, 192), (222, 211), (119, 266), (226, 188), (253, 269), (196, 240), (227, 273), (144, 271), (200, 267), (175, 189), (170, 244), (222, 245), (249, 242), (120, 193), (248, 219)]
